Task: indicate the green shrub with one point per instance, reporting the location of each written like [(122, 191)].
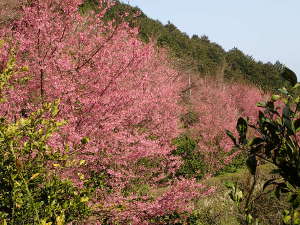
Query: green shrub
[(193, 164), (237, 163), (30, 193), (277, 143)]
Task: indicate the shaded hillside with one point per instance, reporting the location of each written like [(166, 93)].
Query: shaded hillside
[(201, 55)]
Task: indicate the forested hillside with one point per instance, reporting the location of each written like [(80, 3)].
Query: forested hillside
[(203, 56)]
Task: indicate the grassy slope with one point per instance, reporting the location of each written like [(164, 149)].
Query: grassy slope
[(220, 209)]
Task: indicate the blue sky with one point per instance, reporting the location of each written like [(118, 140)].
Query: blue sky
[(268, 30)]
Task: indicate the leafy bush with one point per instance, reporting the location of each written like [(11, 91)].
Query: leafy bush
[(276, 142), (30, 191), (193, 164), (237, 163)]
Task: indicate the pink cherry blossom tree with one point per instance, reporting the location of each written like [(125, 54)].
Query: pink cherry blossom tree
[(218, 105), (114, 89)]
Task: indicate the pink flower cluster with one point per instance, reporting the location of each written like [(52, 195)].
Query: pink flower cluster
[(218, 106)]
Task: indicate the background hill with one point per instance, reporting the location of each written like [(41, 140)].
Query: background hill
[(200, 55)]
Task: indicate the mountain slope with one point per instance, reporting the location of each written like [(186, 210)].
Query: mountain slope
[(200, 55)]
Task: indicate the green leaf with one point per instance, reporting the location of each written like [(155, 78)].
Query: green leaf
[(275, 97), (252, 164), (2, 42), (296, 86), (294, 199), (297, 125), (229, 134), (242, 127), (44, 222), (287, 219), (82, 162), (85, 140), (280, 188), (287, 111), (84, 199), (34, 176), (81, 176), (249, 218), (239, 195), (277, 192), (256, 141), (283, 91), (55, 110), (229, 184), (287, 114), (261, 104), (60, 220), (296, 217), (261, 117)]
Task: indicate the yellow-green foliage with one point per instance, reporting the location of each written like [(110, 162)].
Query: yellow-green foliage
[(30, 193)]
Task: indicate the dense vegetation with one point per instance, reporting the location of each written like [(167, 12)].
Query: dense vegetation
[(100, 125), (276, 142)]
